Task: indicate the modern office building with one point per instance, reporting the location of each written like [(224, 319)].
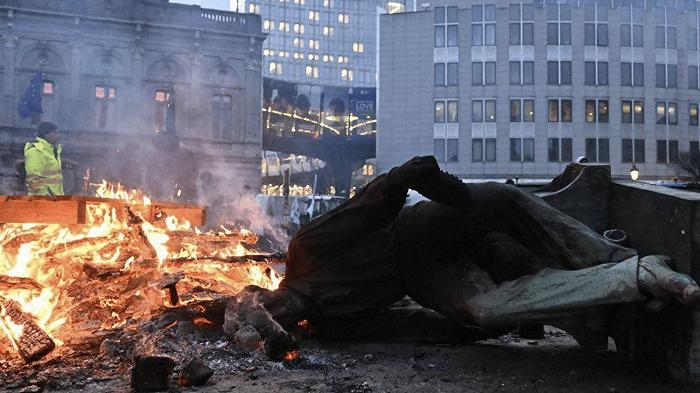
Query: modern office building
[(324, 42), (506, 88)]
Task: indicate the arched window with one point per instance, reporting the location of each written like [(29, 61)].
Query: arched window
[(222, 116), (164, 111)]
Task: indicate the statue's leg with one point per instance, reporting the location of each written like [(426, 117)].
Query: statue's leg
[(541, 228), (465, 293)]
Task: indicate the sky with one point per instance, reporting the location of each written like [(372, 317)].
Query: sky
[(215, 4)]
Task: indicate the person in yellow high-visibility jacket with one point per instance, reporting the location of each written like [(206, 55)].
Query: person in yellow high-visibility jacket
[(43, 162)]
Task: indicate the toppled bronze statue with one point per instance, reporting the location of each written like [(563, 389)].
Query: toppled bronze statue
[(486, 255)]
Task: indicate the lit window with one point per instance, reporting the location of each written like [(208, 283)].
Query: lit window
[(344, 18), (295, 55), (314, 15), (328, 31), (161, 96), (326, 3), (346, 74), (299, 28), (312, 71), (48, 88), (275, 68), (266, 24), (254, 8), (358, 47), (283, 26), (102, 92)]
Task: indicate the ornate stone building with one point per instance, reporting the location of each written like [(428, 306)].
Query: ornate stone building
[(119, 72)]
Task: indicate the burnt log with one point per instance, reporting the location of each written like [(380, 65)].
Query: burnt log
[(151, 373), (10, 282), (33, 343), (195, 373), (247, 310)]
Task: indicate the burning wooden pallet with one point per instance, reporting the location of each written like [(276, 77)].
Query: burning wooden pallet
[(69, 210)]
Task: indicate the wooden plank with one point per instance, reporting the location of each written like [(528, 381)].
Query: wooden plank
[(39, 211), (68, 210), (196, 215)]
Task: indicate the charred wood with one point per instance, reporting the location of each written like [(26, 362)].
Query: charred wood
[(33, 343)]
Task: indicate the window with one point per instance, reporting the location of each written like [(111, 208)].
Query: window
[(311, 71), (357, 47), (665, 34), (692, 39), (328, 31), (452, 74), (483, 73), (164, 111), (275, 68), (522, 110), (48, 88), (484, 149), (559, 150), (282, 26), (666, 151), (344, 18), (692, 77), (666, 113), (446, 150), (522, 72), (559, 110), (597, 111), (446, 111), (521, 32), (633, 150), (632, 112), (483, 111), (666, 76), (598, 150), (483, 25), (105, 96), (596, 27), (446, 74), (522, 149), (314, 15), (446, 28), (632, 35), (693, 114), (222, 116), (559, 73), (254, 8), (298, 28), (632, 74), (346, 74), (558, 24), (440, 74), (596, 73)]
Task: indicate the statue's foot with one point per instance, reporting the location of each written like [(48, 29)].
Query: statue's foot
[(423, 174), (655, 278)]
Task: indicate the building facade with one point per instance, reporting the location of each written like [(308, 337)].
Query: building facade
[(505, 88), (117, 73), (323, 42)]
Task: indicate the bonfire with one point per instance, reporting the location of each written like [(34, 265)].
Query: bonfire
[(64, 285)]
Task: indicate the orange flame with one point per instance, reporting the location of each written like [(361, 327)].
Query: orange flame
[(56, 257)]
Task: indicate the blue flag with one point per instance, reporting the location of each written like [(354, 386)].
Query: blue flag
[(31, 101)]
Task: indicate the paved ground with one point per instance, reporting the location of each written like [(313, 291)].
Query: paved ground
[(554, 364)]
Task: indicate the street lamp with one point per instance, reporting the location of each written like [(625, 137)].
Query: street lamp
[(634, 173)]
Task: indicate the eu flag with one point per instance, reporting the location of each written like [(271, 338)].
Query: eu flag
[(30, 105)]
